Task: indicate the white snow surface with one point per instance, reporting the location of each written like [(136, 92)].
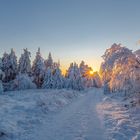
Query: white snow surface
[(66, 115), (121, 120), (23, 111), (50, 115)]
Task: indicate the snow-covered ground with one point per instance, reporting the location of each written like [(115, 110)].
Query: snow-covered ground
[(67, 115), (23, 111), (121, 120), (77, 121)]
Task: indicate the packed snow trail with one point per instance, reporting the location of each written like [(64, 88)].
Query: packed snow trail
[(77, 121)]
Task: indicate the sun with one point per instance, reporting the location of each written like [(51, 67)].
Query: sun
[(91, 72)]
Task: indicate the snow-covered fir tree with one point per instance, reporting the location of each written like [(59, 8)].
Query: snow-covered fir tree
[(48, 80), (13, 64), (25, 62), (9, 66), (2, 75), (38, 69), (77, 77), (23, 79), (0, 63), (5, 66), (74, 78), (58, 79), (85, 73), (49, 61), (1, 87), (84, 69)]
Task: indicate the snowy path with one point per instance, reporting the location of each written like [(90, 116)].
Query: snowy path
[(77, 121)]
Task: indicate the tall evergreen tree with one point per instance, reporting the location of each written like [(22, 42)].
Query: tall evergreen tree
[(85, 73), (74, 77), (58, 79), (9, 66), (38, 69), (25, 62), (1, 77), (48, 80), (49, 61)]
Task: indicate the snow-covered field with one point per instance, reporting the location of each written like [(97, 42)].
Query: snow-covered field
[(22, 111), (121, 120), (67, 115)]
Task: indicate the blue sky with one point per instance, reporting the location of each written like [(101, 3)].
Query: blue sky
[(73, 30)]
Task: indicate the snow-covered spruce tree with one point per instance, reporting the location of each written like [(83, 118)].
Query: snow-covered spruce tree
[(1, 87), (25, 62), (84, 69), (9, 66), (38, 69), (0, 63), (74, 78), (48, 80), (58, 79), (49, 62), (23, 79), (85, 73), (5, 66), (1, 77)]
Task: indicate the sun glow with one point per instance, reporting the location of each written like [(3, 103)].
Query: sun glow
[(91, 72)]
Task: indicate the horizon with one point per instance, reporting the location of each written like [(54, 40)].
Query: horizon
[(70, 30)]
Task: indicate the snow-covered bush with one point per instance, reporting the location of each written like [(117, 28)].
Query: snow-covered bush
[(22, 81)]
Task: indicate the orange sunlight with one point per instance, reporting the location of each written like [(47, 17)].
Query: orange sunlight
[(91, 72)]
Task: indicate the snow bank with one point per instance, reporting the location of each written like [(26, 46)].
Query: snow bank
[(121, 121), (22, 111)]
